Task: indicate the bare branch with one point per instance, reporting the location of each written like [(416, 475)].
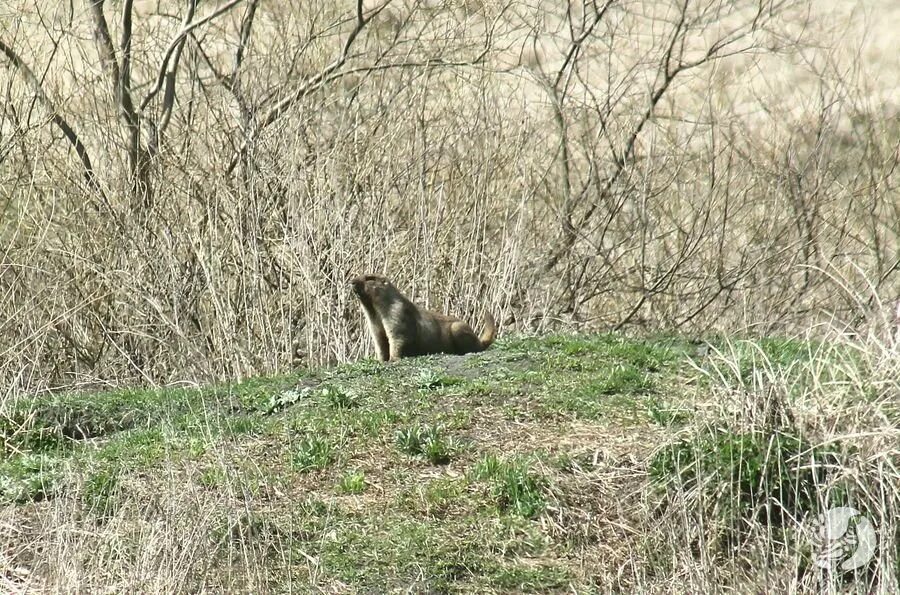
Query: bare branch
[(120, 76), (671, 65), (284, 104), (169, 93), (121, 80), (577, 40), (67, 130), (125, 44), (246, 27), (233, 81), (315, 82), (104, 42), (558, 96), (176, 43)]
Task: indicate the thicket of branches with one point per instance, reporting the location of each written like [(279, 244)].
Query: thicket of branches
[(185, 189)]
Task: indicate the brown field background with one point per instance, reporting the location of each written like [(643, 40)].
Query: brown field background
[(655, 165)]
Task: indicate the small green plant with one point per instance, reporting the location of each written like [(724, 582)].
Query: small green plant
[(409, 440), (441, 492), (312, 453), (21, 431), (242, 425), (60, 421), (339, 398), (29, 477), (136, 448), (352, 483), (664, 415), (744, 362), (429, 379), (488, 467), (285, 398), (101, 491), (427, 441), (565, 462), (212, 477), (514, 485), (531, 578), (627, 380)]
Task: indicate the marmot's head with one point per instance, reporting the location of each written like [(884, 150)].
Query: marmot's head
[(373, 287)]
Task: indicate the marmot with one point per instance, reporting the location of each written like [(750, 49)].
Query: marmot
[(399, 328)]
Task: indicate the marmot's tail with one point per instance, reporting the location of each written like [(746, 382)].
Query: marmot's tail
[(490, 331)]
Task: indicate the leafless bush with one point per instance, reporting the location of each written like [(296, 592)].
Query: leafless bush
[(186, 191)]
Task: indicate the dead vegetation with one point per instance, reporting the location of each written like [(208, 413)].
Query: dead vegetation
[(186, 193)]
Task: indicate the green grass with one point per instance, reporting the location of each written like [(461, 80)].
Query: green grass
[(429, 442), (430, 555), (800, 366), (489, 472), (312, 453), (744, 478), (514, 486), (354, 482), (27, 477), (593, 377)]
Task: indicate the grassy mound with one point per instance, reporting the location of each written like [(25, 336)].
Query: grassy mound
[(591, 463)]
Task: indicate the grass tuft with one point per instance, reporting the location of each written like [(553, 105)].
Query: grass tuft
[(312, 453), (514, 486), (749, 477), (353, 482), (427, 441)]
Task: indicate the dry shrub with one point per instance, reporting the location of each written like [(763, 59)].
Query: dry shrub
[(584, 164)]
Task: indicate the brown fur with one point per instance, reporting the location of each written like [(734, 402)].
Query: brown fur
[(399, 328)]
